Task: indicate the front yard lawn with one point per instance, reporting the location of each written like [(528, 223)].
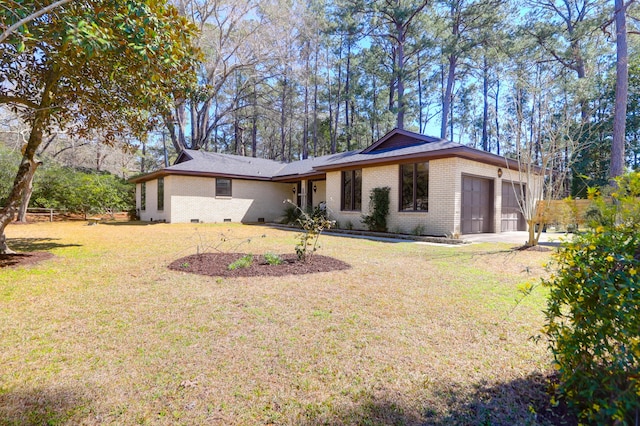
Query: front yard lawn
[(105, 333)]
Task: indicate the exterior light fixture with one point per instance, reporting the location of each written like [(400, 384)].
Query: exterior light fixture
[(294, 189), (499, 172), (315, 188)]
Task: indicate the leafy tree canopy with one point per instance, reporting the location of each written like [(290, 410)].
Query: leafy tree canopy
[(96, 63), (91, 64)]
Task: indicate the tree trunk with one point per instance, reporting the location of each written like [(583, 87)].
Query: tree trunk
[(485, 104), (622, 87), (305, 133), (334, 134), (400, 76), (26, 196), (497, 104), (375, 131), (178, 125), (39, 123), (448, 94), (174, 133), (283, 117), (8, 213), (254, 121), (392, 82), (315, 102), (347, 126), (421, 125)]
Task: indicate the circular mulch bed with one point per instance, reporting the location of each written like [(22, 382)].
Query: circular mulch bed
[(217, 265), (23, 259)]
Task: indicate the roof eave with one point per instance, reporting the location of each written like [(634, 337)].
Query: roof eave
[(169, 172), (296, 177), (461, 151)]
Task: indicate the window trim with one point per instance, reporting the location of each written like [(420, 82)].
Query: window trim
[(230, 194), (160, 191), (415, 209), (355, 205)]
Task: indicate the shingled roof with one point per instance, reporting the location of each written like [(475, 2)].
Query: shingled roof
[(226, 164), (396, 146)]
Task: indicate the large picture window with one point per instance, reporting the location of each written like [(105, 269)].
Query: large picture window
[(143, 196), (160, 194), (414, 187), (352, 190), (223, 187)]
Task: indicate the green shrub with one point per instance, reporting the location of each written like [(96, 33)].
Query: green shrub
[(379, 208), (592, 319), (80, 191), (272, 259), (291, 215), (9, 162), (243, 262)]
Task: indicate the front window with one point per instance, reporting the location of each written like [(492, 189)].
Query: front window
[(352, 190), (414, 187), (223, 187), (160, 194), (143, 196)]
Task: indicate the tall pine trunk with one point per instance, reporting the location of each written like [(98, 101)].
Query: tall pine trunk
[(254, 121), (485, 104), (400, 76), (305, 121), (622, 87), (448, 96), (283, 117), (497, 105), (421, 125), (315, 102)]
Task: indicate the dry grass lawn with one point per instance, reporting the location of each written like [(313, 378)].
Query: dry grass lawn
[(104, 333)]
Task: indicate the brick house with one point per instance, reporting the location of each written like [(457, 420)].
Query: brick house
[(437, 187)]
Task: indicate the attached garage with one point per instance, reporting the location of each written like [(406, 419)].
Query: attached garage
[(477, 205), (512, 218)]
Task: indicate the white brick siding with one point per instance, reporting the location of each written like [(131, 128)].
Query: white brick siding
[(193, 198), (445, 196), (151, 213), (188, 198)]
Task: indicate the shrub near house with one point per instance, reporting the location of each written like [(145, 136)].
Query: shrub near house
[(592, 313)]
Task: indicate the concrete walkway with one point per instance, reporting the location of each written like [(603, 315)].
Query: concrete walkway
[(551, 239), (516, 237)]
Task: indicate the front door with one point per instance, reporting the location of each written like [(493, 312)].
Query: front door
[(310, 194)]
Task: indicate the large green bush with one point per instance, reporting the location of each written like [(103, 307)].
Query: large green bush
[(78, 191), (593, 311)]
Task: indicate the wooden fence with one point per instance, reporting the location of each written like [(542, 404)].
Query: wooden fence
[(567, 214), (38, 211)]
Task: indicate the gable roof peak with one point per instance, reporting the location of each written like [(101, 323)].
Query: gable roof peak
[(399, 138)]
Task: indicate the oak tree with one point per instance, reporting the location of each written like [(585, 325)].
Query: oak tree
[(91, 64)]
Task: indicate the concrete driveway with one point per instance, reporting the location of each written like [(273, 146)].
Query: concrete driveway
[(516, 237)]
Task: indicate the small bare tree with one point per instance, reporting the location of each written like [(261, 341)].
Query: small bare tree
[(546, 136)]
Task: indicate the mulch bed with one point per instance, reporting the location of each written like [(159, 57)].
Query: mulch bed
[(23, 259), (216, 265)]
